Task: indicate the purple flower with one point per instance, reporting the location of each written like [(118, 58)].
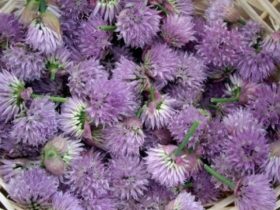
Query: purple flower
[(271, 44), (88, 177), (251, 32), (180, 7), (204, 189), (73, 117), (266, 105), (43, 38), (100, 203), (138, 24), (158, 112), (10, 98), (59, 153), (125, 138), (177, 30), (190, 72), (222, 10), (128, 72), (65, 201), (182, 122), (255, 65), (254, 192), (184, 201), (164, 167), (33, 189), (10, 29), (212, 142), (72, 7), (10, 168), (220, 46), (161, 63), (157, 136), (79, 82), (58, 61), (246, 151), (38, 125), (91, 40), (242, 120), (108, 9), (129, 178), (110, 101), (24, 64), (245, 91), (272, 165)]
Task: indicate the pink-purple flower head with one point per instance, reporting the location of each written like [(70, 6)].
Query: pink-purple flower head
[(179, 7), (110, 101), (190, 72), (100, 203), (161, 62), (255, 65), (125, 138), (164, 167), (82, 75), (182, 122), (272, 45), (72, 8), (184, 201), (65, 201), (138, 24), (244, 91), (222, 10), (246, 151), (177, 30), (272, 165), (254, 192), (73, 117), (251, 32), (10, 29), (92, 41), (33, 189), (129, 178), (242, 120), (204, 189), (37, 125), (59, 153), (108, 9), (265, 107), (23, 63), (220, 46), (88, 176), (10, 95), (42, 37), (157, 112), (128, 72)]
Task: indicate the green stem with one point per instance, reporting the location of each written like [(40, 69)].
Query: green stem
[(139, 112), (57, 99), (152, 93), (186, 140), (42, 6), (219, 177), (53, 73), (161, 8), (108, 28), (224, 100)]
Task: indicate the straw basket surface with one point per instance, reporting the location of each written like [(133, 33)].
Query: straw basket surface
[(265, 12)]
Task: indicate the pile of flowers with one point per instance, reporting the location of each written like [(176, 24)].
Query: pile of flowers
[(137, 105)]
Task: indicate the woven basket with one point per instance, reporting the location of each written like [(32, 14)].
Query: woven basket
[(265, 12)]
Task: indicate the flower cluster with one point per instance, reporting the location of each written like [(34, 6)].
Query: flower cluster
[(137, 104)]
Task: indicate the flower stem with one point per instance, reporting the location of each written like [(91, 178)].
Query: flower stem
[(186, 140), (161, 8), (139, 112), (219, 177), (224, 100), (56, 99), (108, 28), (42, 6)]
